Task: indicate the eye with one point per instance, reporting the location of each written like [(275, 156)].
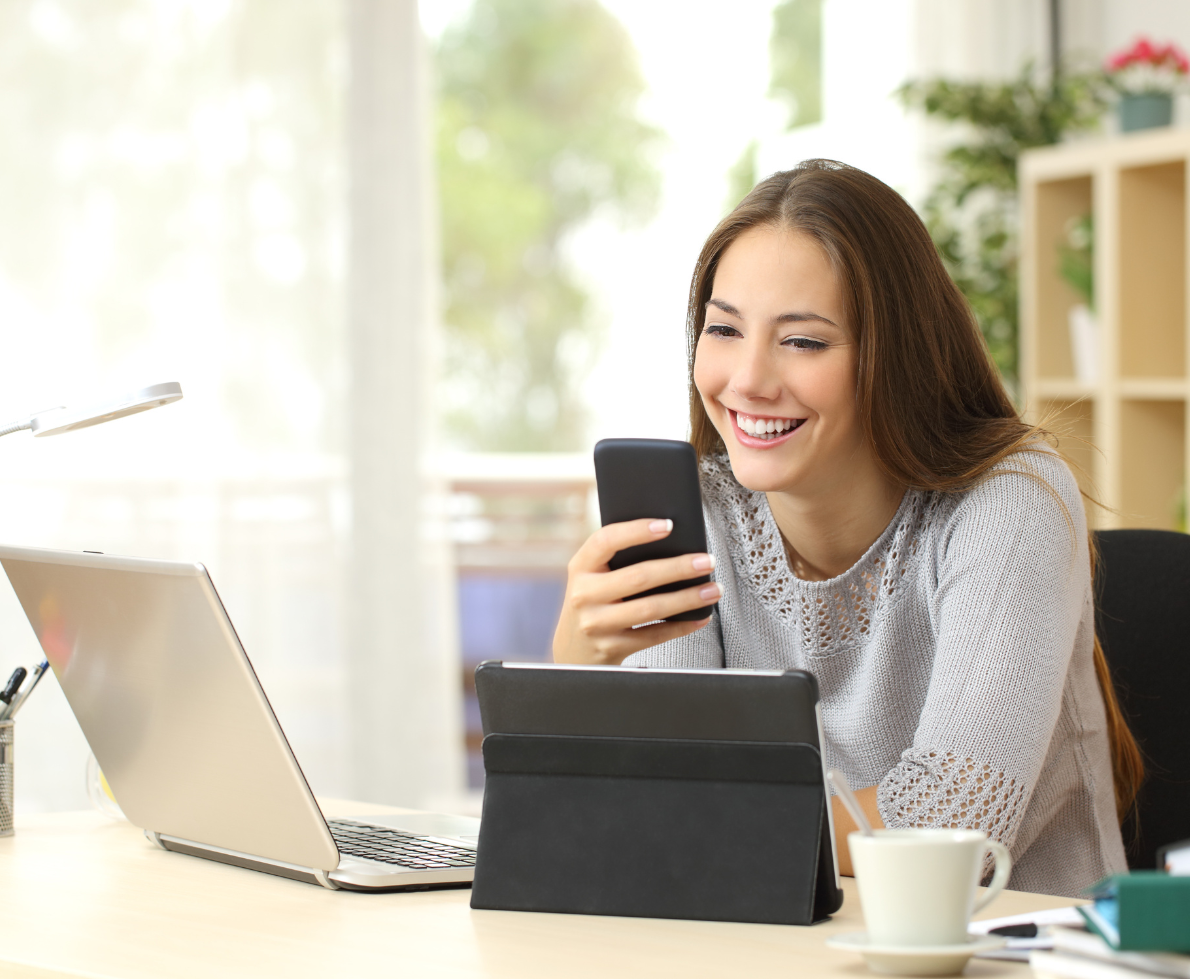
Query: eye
[(721, 330), (803, 343)]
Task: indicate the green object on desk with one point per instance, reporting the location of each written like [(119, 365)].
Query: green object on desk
[(1144, 911)]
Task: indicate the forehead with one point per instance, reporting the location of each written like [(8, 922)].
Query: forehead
[(767, 266)]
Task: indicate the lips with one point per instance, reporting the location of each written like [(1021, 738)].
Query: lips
[(759, 431)]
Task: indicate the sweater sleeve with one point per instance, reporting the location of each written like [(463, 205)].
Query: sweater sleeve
[(701, 650), (1013, 583)]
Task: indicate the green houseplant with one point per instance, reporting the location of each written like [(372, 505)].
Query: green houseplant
[(972, 210)]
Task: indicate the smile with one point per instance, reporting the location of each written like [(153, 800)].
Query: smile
[(756, 429)]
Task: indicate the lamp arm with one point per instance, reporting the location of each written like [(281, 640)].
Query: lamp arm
[(16, 427)]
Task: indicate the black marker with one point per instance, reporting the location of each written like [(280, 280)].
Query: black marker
[(38, 672), (14, 684)]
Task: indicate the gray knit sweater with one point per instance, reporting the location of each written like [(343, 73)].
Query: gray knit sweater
[(954, 660)]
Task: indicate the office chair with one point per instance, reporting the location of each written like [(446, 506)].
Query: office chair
[(1142, 616)]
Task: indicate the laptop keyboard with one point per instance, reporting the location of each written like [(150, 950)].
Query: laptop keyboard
[(392, 846)]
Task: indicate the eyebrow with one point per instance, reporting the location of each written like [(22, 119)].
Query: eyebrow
[(730, 310)]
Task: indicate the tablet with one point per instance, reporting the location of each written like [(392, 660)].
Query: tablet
[(650, 768)]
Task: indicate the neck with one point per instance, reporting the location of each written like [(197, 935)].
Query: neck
[(828, 532)]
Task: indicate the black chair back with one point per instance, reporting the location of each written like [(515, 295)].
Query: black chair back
[(1143, 620)]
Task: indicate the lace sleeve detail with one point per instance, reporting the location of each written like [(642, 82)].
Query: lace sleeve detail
[(939, 789)]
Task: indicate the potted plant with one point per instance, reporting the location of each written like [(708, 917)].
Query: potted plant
[(1146, 76), (1076, 255)]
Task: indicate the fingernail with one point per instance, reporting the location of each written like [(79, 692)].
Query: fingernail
[(704, 562), (710, 591), (661, 526)]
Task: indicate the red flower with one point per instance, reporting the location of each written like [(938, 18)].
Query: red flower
[(1143, 51)]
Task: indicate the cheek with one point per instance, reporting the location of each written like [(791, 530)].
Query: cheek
[(827, 386), (711, 370)]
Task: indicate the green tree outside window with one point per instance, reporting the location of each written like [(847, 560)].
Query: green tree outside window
[(537, 131), (795, 57), (795, 78)]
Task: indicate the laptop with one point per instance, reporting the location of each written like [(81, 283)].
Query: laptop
[(178, 721)]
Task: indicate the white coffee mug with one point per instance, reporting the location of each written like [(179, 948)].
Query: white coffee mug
[(917, 886)]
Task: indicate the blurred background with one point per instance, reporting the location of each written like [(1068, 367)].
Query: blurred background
[(410, 263)]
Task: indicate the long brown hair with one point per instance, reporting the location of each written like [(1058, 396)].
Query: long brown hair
[(933, 406)]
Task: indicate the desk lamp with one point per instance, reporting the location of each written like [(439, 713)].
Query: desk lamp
[(55, 421)]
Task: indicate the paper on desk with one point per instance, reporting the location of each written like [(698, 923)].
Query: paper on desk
[(1018, 949)]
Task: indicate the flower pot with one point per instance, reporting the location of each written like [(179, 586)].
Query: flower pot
[(1084, 344), (1145, 111)]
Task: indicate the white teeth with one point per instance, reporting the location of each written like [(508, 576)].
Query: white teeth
[(764, 428)]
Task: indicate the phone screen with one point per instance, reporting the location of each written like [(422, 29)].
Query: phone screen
[(654, 478)]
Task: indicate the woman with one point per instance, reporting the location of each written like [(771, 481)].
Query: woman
[(879, 515)]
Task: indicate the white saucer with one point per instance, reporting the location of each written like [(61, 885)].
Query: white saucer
[(915, 960)]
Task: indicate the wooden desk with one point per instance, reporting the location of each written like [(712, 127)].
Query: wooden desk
[(81, 895)]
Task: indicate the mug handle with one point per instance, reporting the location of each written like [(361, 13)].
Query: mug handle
[(1000, 878)]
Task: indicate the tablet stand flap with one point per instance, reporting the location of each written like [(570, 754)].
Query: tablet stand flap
[(712, 830), (715, 761)]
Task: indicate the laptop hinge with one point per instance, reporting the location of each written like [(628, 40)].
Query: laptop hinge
[(309, 875)]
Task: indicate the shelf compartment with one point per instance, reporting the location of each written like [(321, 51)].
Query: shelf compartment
[(1073, 422), (1058, 202), (1152, 271), (1061, 389), (1153, 388), (1152, 462)]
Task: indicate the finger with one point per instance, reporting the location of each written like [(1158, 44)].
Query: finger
[(604, 620), (613, 650), (599, 548), (603, 587)]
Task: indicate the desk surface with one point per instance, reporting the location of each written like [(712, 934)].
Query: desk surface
[(81, 895)]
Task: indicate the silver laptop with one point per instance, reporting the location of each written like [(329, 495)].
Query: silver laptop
[(179, 723)]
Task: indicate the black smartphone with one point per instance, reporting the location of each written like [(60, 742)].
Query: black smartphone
[(654, 478)]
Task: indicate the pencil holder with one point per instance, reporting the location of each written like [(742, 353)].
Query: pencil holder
[(5, 778)]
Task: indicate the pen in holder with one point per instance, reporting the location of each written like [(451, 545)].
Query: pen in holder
[(6, 828)]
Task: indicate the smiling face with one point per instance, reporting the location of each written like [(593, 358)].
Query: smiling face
[(775, 367)]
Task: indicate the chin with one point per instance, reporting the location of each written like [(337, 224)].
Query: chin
[(769, 475)]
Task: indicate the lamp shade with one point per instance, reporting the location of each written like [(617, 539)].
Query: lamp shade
[(59, 420)]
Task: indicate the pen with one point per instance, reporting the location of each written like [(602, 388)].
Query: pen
[(13, 685), (1023, 930), (38, 672)]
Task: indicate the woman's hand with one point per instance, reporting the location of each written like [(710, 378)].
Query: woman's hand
[(596, 622)]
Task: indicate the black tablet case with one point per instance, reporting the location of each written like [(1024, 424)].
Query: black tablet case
[(728, 825)]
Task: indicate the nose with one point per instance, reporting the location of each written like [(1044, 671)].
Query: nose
[(755, 377)]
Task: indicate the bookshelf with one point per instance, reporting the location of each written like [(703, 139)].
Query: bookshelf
[(1126, 426)]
